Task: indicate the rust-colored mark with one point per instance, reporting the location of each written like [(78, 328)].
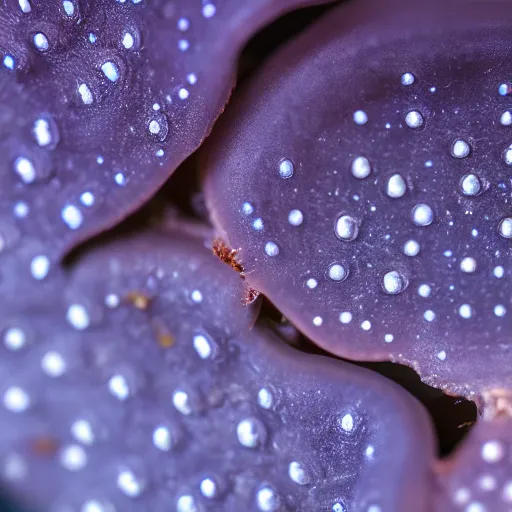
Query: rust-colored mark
[(250, 296), (162, 334), (139, 300), (45, 446), (227, 255)]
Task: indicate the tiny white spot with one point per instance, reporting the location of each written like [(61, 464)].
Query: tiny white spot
[(422, 215), (73, 457), (411, 248), (318, 321), (78, 317), (366, 325), (360, 117), (414, 119), (468, 265), (183, 94), (9, 62), (129, 484), (186, 503), (69, 8), (183, 24), (181, 402), (16, 399), (265, 398), (345, 317), (388, 338), (82, 431), (208, 488), (286, 169), (505, 227), (209, 10), (196, 296), (396, 186), (271, 249), (162, 438), (465, 311), (39, 267), (53, 364), (297, 473), (42, 132), (15, 338), (347, 423), (424, 290), (492, 451), (407, 79), (202, 346), (295, 217), (41, 41), (112, 301), (311, 283), (500, 310), (111, 71), (25, 169), (498, 271), (118, 387), (441, 355), (87, 198), (21, 209), (267, 500), (247, 208), (429, 315), (72, 216), (361, 167), (120, 179), (258, 224), (128, 41)]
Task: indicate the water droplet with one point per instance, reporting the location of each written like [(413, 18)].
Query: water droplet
[(500, 310), (118, 386), (411, 248), (286, 169), (345, 317), (268, 500), (492, 451), (73, 457), (465, 311), (53, 364), (407, 79), (393, 283), (162, 438), (247, 208), (16, 399), (25, 169), (9, 62), (361, 167), (429, 315), (414, 119), (209, 10), (360, 117), (297, 473), (40, 41), (347, 422), (506, 118), (346, 228), (424, 290), (337, 272), (110, 70), (271, 249), (15, 338), (186, 503), (82, 431), (72, 216), (202, 346), (265, 398), (208, 488), (396, 186), (181, 402), (39, 267), (422, 215), (311, 283), (468, 265), (295, 217), (69, 8), (78, 317), (460, 149), (45, 132), (25, 6), (85, 94), (129, 484), (250, 432), (470, 185), (505, 227)]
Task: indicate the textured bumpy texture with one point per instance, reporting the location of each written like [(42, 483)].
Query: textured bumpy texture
[(100, 101), (478, 478), (135, 383), (364, 175)]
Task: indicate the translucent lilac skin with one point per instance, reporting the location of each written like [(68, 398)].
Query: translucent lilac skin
[(101, 100), (478, 477), (374, 154), (136, 381)]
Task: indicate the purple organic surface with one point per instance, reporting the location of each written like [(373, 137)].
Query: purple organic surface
[(364, 175), (101, 100), (135, 382), (478, 478)]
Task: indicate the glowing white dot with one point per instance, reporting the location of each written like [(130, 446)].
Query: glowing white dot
[(498, 271), (318, 321), (248, 433), (295, 217), (500, 310), (25, 6), (208, 488), (347, 423), (370, 451), (120, 178), (366, 325), (504, 89), (196, 296), (286, 169), (424, 290), (202, 346), (361, 167), (183, 94), (396, 186), (429, 315), (69, 8), (16, 399), (39, 267), (506, 227), (92, 38), (73, 457), (78, 317), (15, 338), (267, 500), (181, 402), (465, 311), (53, 364), (460, 149), (118, 386), (128, 41), (183, 24), (337, 272), (82, 431), (414, 119), (162, 438), (258, 224), (311, 283), (422, 215), (21, 209), (110, 70), (297, 473), (25, 169), (40, 41), (471, 185), (411, 248), (42, 132), (393, 282), (265, 398), (192, 78), (346, 228), (129, 484), (247, 208), (507, 492), (345, 317), (209, 10), (87, 198), (85, 94), (508, 155), (461, 496), (506, 118), (112, 301), (492, 451), (271, 249), (72, 216), (186, 503), (388, 338), (468, 265), (407, 79), (441, 355), (487, 483), (9, 62), (360, 117)]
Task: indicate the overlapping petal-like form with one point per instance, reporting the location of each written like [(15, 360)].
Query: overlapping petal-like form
[(101, 100), (478, 478), (135, 383), (365, 176)]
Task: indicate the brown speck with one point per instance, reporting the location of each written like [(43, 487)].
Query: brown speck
[(139, 300), (227, 255), (45, 446)]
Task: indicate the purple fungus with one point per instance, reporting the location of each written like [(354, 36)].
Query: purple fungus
[(367, 169), (101, 100), (478, 477), (135, 383)]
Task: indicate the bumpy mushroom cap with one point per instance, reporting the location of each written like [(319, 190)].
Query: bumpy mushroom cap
[(365, 176), (134, 382)]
